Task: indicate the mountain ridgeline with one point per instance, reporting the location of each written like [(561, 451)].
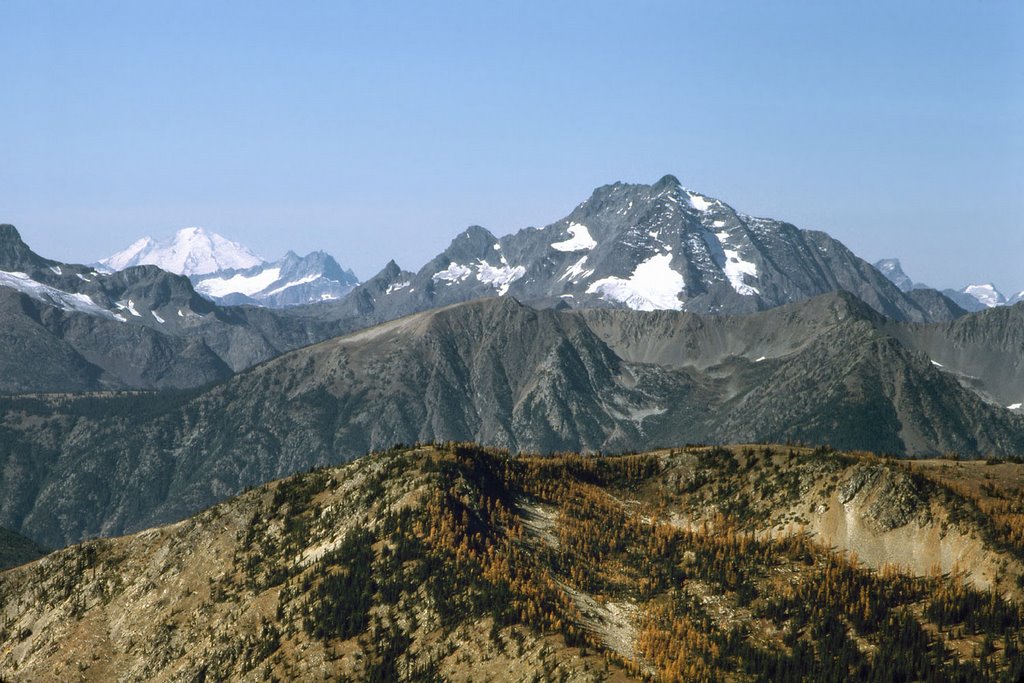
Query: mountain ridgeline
[(829, 370), (229, 273), (292, 281), (457, 563), (637, 247), (67, 327), (645, 247)]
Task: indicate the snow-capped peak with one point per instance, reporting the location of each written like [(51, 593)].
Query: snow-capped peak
[(987, 295), (191, 251)]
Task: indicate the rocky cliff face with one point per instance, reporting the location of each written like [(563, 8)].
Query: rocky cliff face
[(983, 351)]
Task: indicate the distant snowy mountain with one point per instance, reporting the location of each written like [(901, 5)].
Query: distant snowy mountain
[(69, 327), (231, 274), (987, 295), (191, 251), (971, 298), (892, 269), (291, 281)]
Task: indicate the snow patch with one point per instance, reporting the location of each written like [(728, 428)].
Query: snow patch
[(759, 359), (240, 284), (938, 365), (1013, 406), (638, 415), (576, 271), (158, 318), (52, 296), (652, 286), (580, 239), (455, 272), (56, 269), (698, 202), (735, 268), (987, 295), (499, 277), (83, 278), (295, 283), (397, 286)]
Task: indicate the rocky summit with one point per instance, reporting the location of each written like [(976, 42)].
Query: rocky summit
[(650, 247)]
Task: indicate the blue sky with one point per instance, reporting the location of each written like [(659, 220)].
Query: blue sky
[(380, 130)]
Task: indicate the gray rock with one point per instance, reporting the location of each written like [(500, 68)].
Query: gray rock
[(828, 370)]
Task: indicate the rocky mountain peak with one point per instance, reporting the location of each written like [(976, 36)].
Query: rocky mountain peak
[(15, 254), (986, 294), (651, 247), (474, 238), (9, 233), (892, 269), (666, 182)]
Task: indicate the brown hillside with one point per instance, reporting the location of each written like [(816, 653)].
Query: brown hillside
[(458, 563)]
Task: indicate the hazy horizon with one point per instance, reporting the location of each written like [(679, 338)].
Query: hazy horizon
[(381, 132)]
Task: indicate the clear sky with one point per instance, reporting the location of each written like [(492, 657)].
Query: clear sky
[(379, 130)]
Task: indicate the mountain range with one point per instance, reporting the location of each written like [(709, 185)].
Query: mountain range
[(68, 327), (483, 528), (972, 298), (828, 370), (645, 247), (142, 327), (230, 273), (542, 340)]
